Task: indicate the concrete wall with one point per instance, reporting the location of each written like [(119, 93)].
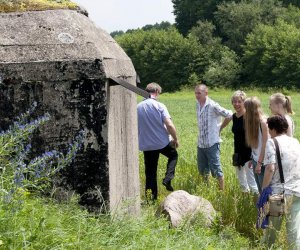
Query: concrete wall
[(122, 132), (62, 61)]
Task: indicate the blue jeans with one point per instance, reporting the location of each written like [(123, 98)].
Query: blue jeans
[(208, 159), (258, 177)]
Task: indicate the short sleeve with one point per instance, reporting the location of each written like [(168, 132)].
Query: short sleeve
[(270, 153), (164, 111), (222, 111)]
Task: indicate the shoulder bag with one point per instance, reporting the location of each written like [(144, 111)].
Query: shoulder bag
[(277, 202)]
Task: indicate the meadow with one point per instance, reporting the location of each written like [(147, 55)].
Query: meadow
[(39, 223), (236, 209)]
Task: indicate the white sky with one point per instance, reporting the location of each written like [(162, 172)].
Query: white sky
[(112, 15)]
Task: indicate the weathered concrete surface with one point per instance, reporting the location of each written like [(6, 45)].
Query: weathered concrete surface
[(62, 60), (180, 206)]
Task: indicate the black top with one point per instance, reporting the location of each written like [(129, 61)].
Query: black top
[(240, 145)]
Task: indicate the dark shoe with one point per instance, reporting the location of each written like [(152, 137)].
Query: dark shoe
[(168, 185)]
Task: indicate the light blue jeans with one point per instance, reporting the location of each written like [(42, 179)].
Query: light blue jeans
[(208, 159), (258, 177), (292, 225)]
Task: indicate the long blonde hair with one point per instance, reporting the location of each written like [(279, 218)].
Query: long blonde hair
[(285, 101), (252, 119)]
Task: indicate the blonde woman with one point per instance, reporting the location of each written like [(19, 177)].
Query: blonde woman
[(256, 131), (242, 152), (243, 170), (282, 105)]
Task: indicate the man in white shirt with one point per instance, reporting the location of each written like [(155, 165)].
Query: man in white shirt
[(209, 119)]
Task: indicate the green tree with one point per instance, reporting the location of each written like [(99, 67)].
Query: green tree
[(164, 25), (117, 33), (166, 57), (291, 2), (272, 55), (204, 33), (221, 67), (236, 20), (291, 15), (223, 71), (189, 12), (163, 56), (159, 26)]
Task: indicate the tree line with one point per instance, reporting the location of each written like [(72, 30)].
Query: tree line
[(227, 43)]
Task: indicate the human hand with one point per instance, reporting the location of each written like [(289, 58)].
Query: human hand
[(258, 167), (174, 143), (250, 165)]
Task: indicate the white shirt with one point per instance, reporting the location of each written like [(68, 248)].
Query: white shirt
[(256, 151), (291, 124), (209, 122), (290, 159)]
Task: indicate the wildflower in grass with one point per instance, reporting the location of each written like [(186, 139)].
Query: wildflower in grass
[(25, 116), (73, 149), (41, 169), (18, 171)]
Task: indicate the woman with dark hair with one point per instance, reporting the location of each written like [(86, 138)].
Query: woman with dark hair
[(290, 160)]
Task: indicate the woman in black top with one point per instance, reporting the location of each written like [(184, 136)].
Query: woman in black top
[(242, 153)]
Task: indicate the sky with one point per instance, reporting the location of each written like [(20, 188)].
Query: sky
[(115, 15)]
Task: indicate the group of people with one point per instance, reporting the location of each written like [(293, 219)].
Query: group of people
[(254, 150)]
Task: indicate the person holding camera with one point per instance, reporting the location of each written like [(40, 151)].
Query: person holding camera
[(155, 128), (287, 182)]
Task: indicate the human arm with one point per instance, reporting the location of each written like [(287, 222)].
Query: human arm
[(221, 111), (270, 161), (290, 129), (225, 122), (171, 130), (269, 172), (264, 130)]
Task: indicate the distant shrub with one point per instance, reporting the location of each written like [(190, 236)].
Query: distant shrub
[(224, 71), (27, 5)]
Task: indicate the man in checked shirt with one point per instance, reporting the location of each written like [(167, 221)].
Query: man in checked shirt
[(209, 117)]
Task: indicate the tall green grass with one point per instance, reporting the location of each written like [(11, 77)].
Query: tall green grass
[(39, 223), (43, 224), (237, 209)]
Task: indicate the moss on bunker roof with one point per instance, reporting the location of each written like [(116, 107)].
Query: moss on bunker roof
[(31, 5)]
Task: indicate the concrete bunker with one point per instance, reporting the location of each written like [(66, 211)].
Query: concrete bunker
[(61, 60)]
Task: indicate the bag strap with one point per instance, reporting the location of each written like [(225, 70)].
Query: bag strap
[(279, 160)]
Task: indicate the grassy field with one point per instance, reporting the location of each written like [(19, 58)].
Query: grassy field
[(236, 209), (43, 224)]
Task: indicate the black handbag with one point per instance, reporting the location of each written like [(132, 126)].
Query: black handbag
[(236, 160)]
